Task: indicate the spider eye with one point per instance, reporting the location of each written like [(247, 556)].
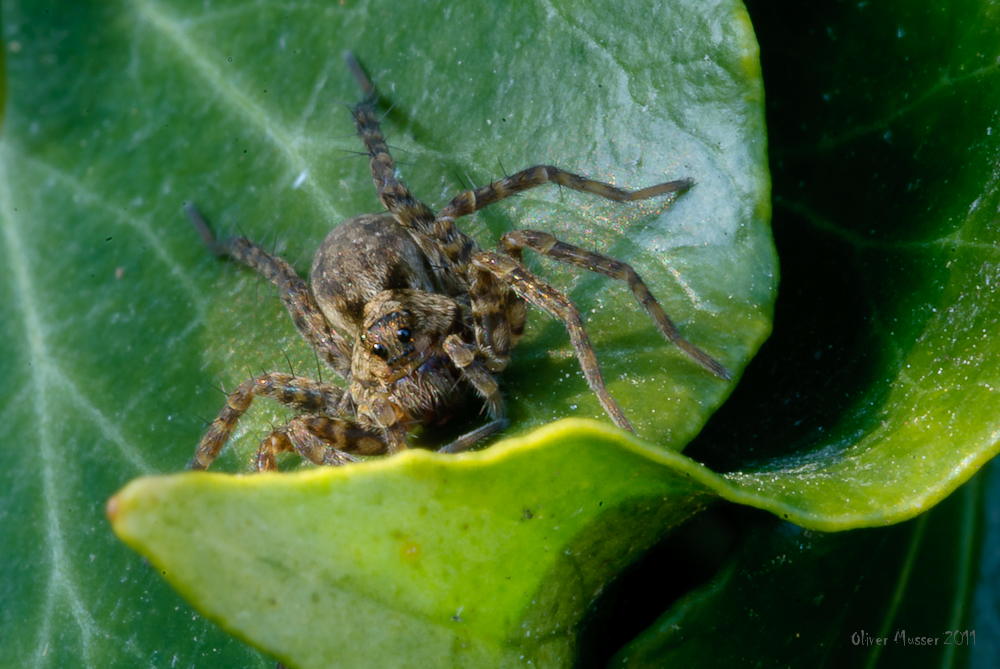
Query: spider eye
[(380, 351), (404, 335)]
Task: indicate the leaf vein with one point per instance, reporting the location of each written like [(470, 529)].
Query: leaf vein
[(280, 137), (41, 361), (139, 225)]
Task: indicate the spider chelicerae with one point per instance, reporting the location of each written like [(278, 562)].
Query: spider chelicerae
[(412, 314)]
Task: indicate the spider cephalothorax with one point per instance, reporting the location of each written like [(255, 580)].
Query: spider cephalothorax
[(413, 315)]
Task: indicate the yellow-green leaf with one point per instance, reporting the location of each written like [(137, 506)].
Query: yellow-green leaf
[(479, 560)]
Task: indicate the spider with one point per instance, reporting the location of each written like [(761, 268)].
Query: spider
[(411, 313)]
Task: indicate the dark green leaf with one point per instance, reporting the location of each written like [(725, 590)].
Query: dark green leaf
[(116, 322), (875, 399), (3, 75), (803, 598), (883, 125)]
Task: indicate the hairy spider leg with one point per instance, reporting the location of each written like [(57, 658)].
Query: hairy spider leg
[(293, 391), (321, 440), (447, 248), (511, 273), (396, 197), (498, 317), (331, 346), (471, 201), (476, 373), (546, 244), (468, 440)]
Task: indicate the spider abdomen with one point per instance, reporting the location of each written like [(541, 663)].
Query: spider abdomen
[(361, 258)]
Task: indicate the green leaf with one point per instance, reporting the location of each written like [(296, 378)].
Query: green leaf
[(875, 398), (481, 560), (884, 152), (3, 76), (805, 598), (116, 323), (708, 257)]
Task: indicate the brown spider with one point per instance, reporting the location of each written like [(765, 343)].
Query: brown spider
[(429, 313)]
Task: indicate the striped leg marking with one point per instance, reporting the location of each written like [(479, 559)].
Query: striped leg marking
[(513, 242), (507, 270)]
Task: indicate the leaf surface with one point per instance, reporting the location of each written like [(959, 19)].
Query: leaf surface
[(117, 323), (806, 598), (874, 399), (480, 560), (875, 395)]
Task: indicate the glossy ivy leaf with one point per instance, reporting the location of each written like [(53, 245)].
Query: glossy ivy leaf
[(116, 323), (875, 398), (883, 131), (482, 560), (804, 598), (472, 526), (713, 253)]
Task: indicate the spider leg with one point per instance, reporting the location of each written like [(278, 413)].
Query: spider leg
[(476, 373), (320, 439), (355, 67), (294, 292), (498, 323), (475, 199), (396, 197), (470, 439), (380, 411), (299, 393), (508, 271), (514, 242)]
